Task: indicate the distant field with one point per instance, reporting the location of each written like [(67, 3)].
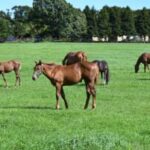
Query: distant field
[(121, 121)]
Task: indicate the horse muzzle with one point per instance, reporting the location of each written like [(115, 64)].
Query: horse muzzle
[(33, 78)]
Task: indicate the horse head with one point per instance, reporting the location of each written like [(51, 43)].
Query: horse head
[(136, 67), (38, 70)]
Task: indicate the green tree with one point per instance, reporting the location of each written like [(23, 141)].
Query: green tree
[(127, 22), (74, 25), (58, 19), (115, 23), (103, 23), (21, 22), (143, 22), (91, 17), (5, 26)]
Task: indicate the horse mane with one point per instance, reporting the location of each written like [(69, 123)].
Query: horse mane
[(49, 64)]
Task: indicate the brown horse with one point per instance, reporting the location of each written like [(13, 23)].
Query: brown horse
[(73, 57), (60, 76), (12, 65), (144, 58)]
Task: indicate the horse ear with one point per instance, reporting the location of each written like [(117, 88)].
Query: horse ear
[(40, 62)]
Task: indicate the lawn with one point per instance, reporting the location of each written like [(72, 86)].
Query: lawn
[(121, 121)]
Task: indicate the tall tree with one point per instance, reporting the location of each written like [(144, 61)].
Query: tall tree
[(127, 22), (74, 25), (91, 17), (143, 22), (56, 17), (103, 23), (22, 25), (115, 23), (5, 26)]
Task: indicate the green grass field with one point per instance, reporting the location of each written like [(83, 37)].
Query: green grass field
[(121, 121)]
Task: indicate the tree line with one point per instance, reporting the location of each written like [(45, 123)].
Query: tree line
[(59, 20)]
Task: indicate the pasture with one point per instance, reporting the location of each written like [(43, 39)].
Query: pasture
[(121, 121)]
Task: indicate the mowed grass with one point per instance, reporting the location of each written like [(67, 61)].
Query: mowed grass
[(121, 121)]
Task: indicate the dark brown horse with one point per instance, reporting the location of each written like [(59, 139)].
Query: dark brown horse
[(144, 58), (60, 76), (73, 57), (103, 69), (12, 65)]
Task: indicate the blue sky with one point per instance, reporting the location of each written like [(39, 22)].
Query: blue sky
[(98, 4)]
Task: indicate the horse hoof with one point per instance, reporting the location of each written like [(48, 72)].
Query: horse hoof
[(94, 106), (57, 107)]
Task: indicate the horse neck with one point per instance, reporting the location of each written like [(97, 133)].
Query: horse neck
[(47, 69), (138, 62)]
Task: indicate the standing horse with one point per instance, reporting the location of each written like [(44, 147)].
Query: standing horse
[(60, 76), (73, 57), (144, 58), (103, 69), (12, 65)]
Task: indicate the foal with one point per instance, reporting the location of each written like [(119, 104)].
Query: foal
[(60, 76), (12, 65)]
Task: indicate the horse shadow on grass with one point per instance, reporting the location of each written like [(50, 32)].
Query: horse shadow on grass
[(27, 107), (1, 85), (97, 84), (144, 79)]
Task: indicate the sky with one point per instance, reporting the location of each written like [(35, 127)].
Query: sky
[(98, 4)]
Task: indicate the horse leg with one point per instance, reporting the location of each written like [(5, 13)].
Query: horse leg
[(58, 94), (145, 67), (105, 74), (17, 78), (64, 98), (88, 97), (4, 80), (93, 92)]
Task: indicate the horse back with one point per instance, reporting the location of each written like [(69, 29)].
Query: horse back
[(66, 75), (145, 57), (9, 66)]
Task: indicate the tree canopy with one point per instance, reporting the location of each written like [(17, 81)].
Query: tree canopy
[(59, 20)]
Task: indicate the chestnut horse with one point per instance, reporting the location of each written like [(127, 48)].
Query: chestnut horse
[(144, 58), (12, 65), (60, 76), (103, 69), (73, 57)]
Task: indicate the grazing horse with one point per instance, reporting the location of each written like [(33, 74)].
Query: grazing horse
[(12, 65), (103, 69), (73, 57), (144, 58), (61, 75)]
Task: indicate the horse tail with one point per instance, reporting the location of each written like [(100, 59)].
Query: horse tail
[(107, 75)]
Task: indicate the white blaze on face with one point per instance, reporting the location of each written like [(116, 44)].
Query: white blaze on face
[(36, 75)]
